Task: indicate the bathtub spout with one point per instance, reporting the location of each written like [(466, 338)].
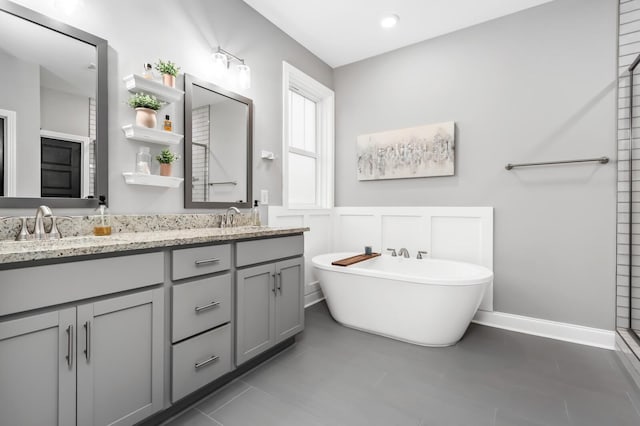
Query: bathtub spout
[(404, 252)]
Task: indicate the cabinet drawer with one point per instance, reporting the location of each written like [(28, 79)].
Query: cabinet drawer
[(200, 305), (199, 361), (196, 261), (39, 286), (258, 251)]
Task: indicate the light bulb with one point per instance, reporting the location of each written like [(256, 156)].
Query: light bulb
[(244, 76), (220, 62)]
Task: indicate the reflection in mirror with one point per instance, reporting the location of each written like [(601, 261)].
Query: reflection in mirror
[(218, 148), (52, 112)]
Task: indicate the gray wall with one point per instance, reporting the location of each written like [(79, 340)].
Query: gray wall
[(537, 85), (20, 88), (228, 123), (64, 112), (186, 32)]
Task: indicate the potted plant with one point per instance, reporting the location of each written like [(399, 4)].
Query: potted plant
[(146, 107), (169, 71), (166, 158)]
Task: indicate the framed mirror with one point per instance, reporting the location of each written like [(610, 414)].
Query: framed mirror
[(218, 146), (53, 112)]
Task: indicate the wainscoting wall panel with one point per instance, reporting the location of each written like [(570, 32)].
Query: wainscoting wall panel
[(456, 233)]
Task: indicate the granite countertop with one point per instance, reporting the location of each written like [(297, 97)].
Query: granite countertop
[(24, 251)]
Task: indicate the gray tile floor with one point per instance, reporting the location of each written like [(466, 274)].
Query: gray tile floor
[(338, 376)]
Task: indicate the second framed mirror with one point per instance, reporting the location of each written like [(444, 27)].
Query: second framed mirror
[(218, 146)]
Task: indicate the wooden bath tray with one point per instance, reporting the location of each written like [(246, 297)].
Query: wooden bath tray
[(354, 259)]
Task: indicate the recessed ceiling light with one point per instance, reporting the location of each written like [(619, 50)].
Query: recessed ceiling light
[(389, 21)]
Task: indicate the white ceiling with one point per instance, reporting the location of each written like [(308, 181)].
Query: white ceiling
[(344, 31)]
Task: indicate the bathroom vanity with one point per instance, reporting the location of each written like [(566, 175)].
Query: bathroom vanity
[(113, 330)]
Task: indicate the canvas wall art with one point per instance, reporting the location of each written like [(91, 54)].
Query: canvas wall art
[(413, 152)]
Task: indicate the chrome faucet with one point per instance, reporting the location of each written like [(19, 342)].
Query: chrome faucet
[(38, 230), (404, 252), (228, 221)]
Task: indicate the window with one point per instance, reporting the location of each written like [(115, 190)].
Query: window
[(308, 141)]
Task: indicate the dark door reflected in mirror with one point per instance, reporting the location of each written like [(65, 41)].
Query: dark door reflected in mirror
[(218, 148), (53, 107)]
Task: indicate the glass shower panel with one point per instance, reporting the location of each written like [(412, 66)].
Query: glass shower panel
[(629, 206)]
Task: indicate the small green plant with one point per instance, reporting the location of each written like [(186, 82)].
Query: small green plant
[(167, 157), (167, 67), (142, 100)]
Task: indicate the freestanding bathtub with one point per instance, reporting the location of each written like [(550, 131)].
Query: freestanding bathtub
[(428, 302)]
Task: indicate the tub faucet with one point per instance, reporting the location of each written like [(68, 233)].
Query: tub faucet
[(228, 220), (393, 252), (404, 252), (38, 230)]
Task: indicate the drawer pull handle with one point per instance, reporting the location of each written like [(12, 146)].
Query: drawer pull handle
[(87, 340), (207, 306), (213, 358), (205, 261), (69, 356)]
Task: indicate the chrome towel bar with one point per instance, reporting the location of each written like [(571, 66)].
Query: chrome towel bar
[(231, 182), (601, 160)]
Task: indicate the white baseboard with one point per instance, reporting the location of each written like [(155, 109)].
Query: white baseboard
[(313, 298), (554, 330), (588, 336)]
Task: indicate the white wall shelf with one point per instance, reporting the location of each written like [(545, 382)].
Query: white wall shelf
[(136, 83), (152, 180), (145, 134)]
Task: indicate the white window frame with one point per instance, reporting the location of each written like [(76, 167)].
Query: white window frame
[(9, 152), (293, 78)]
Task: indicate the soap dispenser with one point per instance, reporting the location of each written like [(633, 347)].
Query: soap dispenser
[(102, 225), (255, 216)]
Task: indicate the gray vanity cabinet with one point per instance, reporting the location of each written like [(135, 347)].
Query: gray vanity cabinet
[(270, 299), (201, 317), (35, 367), (255, 329), (97, 363), (289, 306), (119, 359)]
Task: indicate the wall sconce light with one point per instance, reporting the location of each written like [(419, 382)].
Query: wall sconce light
[(222, 63)]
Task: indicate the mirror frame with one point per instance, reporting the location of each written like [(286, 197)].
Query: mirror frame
[(189, 82), (102, 125)]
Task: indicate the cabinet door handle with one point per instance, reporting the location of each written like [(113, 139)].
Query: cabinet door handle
[(205, 261), (207, 361), (279, 281), (69, 346), (207, 306), (87, 340), (274, 284)]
